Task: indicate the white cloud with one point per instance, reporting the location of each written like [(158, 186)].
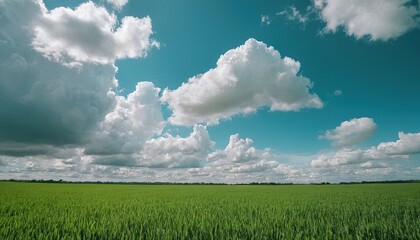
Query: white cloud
[(240, 156), (376, 19), (293, 14), (164, 152), (372, 164), (239, 150), (89, 33), (290, 171), (135, 119), (372, 153), (351, 132), (265, 20), (176, 152), (342, 157), (245, 79), (255, 167), (408, 143), (118, 4)]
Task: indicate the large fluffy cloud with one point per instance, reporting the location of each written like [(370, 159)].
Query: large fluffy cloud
[(245, 79), (134, 120), (240, 150), (88, 34), (240, 156), (376, 19), (351, 132), (43, 101)]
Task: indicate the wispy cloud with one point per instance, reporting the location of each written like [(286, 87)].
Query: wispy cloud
[(293, 14), (337, 93)]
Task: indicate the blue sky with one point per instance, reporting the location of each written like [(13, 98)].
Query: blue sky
[(218, 91)]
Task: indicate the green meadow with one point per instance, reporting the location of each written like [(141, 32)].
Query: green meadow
[(102, 211)]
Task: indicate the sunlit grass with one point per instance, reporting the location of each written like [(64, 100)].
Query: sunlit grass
[(89, 211)]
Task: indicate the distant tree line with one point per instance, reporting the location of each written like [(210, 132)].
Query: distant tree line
[(202, 183), (386, 181)]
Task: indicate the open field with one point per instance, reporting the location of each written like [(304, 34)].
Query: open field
[(93, 211)]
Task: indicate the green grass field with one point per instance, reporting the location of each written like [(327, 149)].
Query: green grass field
[(93, 211)]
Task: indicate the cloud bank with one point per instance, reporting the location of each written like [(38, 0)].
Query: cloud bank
[(407, 145), (356, 130), (245, 79), (61, 118)]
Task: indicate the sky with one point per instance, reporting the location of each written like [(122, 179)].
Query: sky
[(210, 91)]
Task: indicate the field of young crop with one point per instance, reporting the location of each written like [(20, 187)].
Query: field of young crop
[(93, 211)]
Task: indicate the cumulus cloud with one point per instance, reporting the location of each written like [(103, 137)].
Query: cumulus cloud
[(46, 104), (177, 152), (43, 102), (89, 33), (407, 145), (239, 156), (239, 150), (376, 19), (342, 157), (350, 132), (245, 79), (135, 119), (164, 152), (195, 153), (118, 4)]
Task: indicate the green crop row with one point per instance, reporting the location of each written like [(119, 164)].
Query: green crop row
[(82, 211)]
